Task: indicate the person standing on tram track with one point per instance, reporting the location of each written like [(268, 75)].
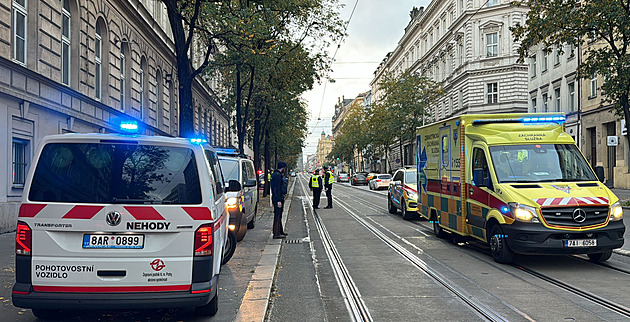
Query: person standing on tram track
[(316, 184), (329, 179)]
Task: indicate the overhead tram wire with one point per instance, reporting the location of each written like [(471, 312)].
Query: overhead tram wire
[(345, 28)]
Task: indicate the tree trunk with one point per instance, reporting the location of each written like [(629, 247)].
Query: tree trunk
[(267, 163), (239, 117), (623, 100)]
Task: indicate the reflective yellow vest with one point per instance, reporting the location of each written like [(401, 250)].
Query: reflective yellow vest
[(331, 177), (314, 181)]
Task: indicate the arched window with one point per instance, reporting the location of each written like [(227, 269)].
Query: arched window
[(66, 41), (98, 61), (123, 74), (143, 83), (159, 107)]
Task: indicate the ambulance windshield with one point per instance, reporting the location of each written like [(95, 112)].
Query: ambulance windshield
[(540, 163)]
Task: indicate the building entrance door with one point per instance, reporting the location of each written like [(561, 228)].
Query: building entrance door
[(611, 156)]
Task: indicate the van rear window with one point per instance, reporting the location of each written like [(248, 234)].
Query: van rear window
[(116, 173)]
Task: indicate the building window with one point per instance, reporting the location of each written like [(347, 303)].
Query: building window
[(571, 102), (19, 30), (98, 54), (556, 56), (544, 62), (571, 51), (492, 3), (461, 54), (461, 6), (545, 99), (444, 24), (123, 66), (20, 161), (141, 90), (593, 86), (65, 42), (492, 45), (557, 94), (533, 65), (493, 93), (534, 104)]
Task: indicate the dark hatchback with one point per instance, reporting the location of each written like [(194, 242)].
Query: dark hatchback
[(358, 179)]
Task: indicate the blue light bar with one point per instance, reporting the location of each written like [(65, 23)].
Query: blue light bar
[(129, 126), (198, 141), (545, 119), (226, 151)]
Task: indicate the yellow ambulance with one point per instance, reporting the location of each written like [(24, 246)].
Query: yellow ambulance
[(517, 182)]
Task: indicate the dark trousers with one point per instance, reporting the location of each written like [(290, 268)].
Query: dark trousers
[(277, 219), (329, 196), (317, 193)]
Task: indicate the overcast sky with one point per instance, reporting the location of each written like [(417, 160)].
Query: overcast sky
[(374, 30)]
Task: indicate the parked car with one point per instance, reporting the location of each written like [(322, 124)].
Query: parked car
[(293, 174), (370, 176), (403, 193), (343, 177), (242, 204), (380, 181), (358, 179), (128, 205), (261, 181)]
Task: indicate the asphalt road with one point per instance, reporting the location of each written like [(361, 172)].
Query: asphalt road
[(369, 242)]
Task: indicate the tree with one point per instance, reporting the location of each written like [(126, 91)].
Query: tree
[(407, 98), (601, 27)]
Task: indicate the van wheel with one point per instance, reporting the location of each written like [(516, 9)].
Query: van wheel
[(501, 252), (230, 247), (242, 229), (600, 257), (47, 314), (390, 205), (437, 229), (252, 223), (211, 308)]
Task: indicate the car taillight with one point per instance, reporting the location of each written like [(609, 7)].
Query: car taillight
[(203, 240), (378, 180), (23, 239)]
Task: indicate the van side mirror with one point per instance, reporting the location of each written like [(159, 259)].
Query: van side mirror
[(250, 183), (478, 178), (233, 185)]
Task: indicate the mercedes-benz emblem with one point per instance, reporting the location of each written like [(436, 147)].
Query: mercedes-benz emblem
[(579, 215), (113, 218)]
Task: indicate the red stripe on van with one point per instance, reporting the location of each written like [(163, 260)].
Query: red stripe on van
[(82, 212), (144, 213), (110, 289), (198, 213), (30, 210)]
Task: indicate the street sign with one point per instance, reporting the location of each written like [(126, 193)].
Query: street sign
[(397, 160)]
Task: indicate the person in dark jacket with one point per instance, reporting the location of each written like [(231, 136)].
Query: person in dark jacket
[(316, 184), (329, 179), (278, 190)]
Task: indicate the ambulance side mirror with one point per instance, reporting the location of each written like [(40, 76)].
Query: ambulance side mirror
[(478, 178)]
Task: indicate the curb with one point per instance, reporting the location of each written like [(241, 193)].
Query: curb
[(622, 252), (256, 299)]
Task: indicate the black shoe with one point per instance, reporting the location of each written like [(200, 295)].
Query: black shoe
[(279, 236), (328, 207), (315, 207)]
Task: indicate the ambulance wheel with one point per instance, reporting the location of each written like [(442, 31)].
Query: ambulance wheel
[(47, 314), (437, 229), (230, 247), (600, 257), (211, 308), (406, 215), (501, 252), (390, 205)]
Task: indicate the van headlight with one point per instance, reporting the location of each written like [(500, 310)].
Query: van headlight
[(616, 212), (231, 202), (412, 195), (523, 213)]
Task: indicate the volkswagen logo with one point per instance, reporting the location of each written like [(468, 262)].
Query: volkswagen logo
[(579, 215), (113, 218)]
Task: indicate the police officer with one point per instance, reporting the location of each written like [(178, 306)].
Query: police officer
[(316, 184), (329, 179), (278, 190)]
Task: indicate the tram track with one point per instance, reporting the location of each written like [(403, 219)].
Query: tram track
[(599, 300)]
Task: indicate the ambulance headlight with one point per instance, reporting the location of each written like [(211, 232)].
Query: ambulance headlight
[(412, 195), (231, 202), (523, 213), (616, 212)]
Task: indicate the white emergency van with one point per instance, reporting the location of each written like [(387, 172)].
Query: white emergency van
[(115, 222)]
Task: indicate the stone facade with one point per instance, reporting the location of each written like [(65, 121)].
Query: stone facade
[(324, 146), (41, 97)]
